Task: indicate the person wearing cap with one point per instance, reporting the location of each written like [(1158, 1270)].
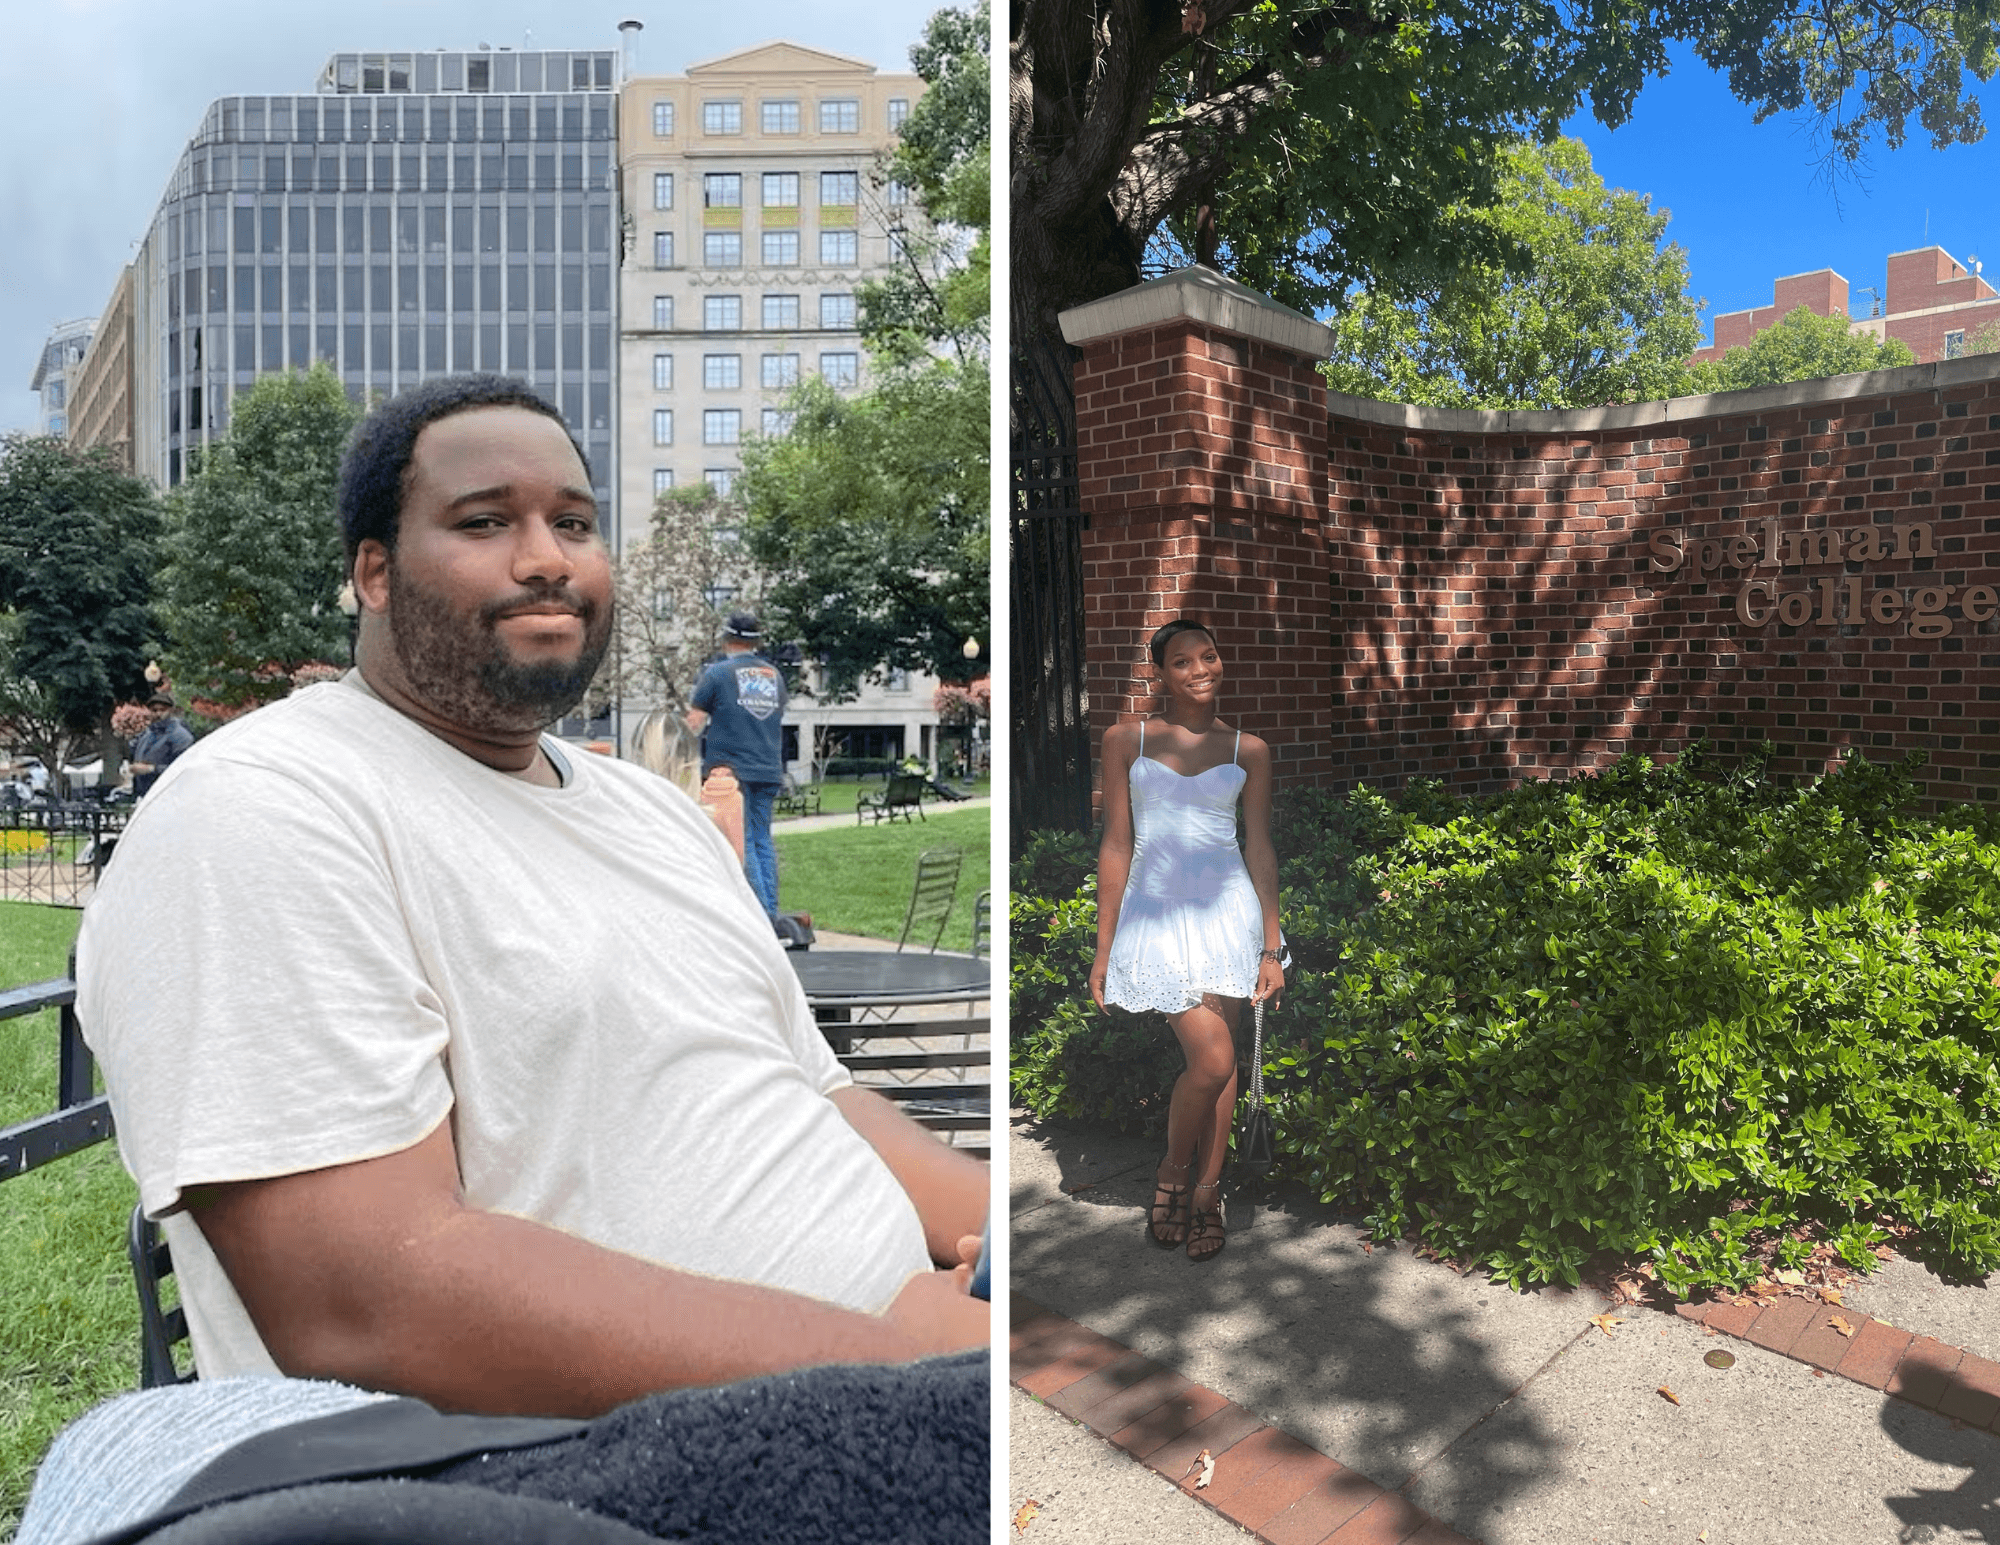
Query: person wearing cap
[(739, 711), (158, 744)]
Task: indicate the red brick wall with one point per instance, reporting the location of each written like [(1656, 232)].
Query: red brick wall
[(1203, 459), (1484, 605), (1501, 613)]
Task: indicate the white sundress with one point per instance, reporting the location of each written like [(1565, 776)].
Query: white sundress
[(1190, 922)]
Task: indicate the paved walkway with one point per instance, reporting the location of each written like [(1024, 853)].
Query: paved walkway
[(1352, 1394), (820, 823)]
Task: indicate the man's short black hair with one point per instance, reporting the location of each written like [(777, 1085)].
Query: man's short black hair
[(376, 468)]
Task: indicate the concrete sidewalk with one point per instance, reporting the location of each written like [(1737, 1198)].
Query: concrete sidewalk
[(1354, 1394), (820, 823)]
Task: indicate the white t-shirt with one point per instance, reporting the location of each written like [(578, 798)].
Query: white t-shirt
[(325, 930)]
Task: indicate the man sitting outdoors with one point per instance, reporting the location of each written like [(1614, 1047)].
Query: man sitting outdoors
[(460, 1067)]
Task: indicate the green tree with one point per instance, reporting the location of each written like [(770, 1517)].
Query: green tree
[(676, 588), (1309, 147), (1599, 314), (940, 291), (79, 543), (253, 574), (870, 517), (1802, 347)]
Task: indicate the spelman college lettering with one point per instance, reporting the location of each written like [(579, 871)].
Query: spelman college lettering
[(1829, 600)]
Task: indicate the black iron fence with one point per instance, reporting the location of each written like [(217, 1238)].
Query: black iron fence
[(53, 852), (81, 1117), (1051, 762)]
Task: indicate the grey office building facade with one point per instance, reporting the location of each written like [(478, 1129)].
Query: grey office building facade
[(417, 214)]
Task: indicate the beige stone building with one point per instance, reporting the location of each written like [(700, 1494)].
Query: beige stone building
[(753, 209), (101, 385)]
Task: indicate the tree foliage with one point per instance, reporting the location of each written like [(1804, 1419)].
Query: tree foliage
[(253, 552), (939, 293), (1327, 138), (1802, 347), (79, 544), (1599, 314), (676, 587), (870, 517)]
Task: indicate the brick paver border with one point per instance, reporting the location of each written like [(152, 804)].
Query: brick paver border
[(1288, 1493), (1266, 1481)]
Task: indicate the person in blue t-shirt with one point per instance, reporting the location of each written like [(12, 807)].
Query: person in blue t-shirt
[(739, 711)]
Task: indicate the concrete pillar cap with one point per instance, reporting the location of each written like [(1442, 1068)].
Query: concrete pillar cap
[(1200, 295)]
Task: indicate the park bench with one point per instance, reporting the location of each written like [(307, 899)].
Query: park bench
[(903, 793), (795, 800)]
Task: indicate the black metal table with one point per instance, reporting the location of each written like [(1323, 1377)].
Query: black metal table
[(838, 979)]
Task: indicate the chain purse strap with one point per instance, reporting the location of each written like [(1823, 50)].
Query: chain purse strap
[(1257, 1053)]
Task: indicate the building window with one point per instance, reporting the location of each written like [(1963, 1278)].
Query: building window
[(839, 189), (722, 117), (721, 426), (663, 426), (721, 372), (663, 481), (663, 190), (838, 249), (663, 249), (663, 313), (722, 313), (781, 190), (1954, 344), (722, 249), (779, 117), (898, 680), (840, 369), (722, 480), (899, 112), (896, 194), (840, 115), (836, 313), (781, 313), (781, 249), (777, 423), (663, 120), (778, 371), (663, 372), (722, 190)]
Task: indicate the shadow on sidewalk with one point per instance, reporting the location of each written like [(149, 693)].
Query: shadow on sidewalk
[(1376, 1358), (1971, 1510)]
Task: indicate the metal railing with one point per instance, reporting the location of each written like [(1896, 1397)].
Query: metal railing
[(54, 852), (81, 1118)]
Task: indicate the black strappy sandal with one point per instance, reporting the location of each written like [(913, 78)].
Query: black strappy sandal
[(1206, 1233), (1171, 1213)]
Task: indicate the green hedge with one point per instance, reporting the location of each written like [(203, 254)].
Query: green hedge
[(1702, 1020)]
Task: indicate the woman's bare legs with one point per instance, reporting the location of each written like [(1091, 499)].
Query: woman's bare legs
[(1204, 1101)]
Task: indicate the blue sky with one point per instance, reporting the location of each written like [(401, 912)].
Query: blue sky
[(1750, 203)]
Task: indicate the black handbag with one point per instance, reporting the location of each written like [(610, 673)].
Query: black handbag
[(1254, 1150)]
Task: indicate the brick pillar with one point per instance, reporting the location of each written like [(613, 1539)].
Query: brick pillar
[(1201, 426)]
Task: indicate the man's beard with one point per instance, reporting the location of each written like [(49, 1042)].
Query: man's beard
[(460, 667)]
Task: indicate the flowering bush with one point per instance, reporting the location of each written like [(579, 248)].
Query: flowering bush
[(314, 671), (129, 721), (961, 705)]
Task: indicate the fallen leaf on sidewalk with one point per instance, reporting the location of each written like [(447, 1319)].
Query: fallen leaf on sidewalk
[(1791, 1278), (1088, 1185), (1700, 1537), (1604, 1322), (1839, 1323), (1676, 1399), (1026, 1515), (1832, 1296), (1207, 1470)]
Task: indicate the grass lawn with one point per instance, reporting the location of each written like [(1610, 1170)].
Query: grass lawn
[(857, 879), (838, 798), (69, 1335)]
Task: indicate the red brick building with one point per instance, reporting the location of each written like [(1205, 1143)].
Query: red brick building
[(1932, 303)]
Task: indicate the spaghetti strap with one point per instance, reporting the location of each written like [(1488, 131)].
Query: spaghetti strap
[(1142, 737), (1237, 748)]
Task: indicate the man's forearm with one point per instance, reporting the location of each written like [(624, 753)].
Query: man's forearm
[(394, 1284), (951, 1192)]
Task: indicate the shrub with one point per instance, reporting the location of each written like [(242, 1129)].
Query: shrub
[(1703, 1021)]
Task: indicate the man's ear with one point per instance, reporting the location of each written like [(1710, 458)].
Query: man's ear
[(371, 576)]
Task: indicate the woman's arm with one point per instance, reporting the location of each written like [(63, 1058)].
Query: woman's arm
[(1114, 853), (1261, 859)]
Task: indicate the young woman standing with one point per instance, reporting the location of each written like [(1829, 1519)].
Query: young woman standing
[(1187, 924)]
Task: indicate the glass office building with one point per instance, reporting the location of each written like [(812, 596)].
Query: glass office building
[(418, 214)]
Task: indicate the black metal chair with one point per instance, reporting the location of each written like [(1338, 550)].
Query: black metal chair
[(160, 1330), (982, 924), (931, 897)]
